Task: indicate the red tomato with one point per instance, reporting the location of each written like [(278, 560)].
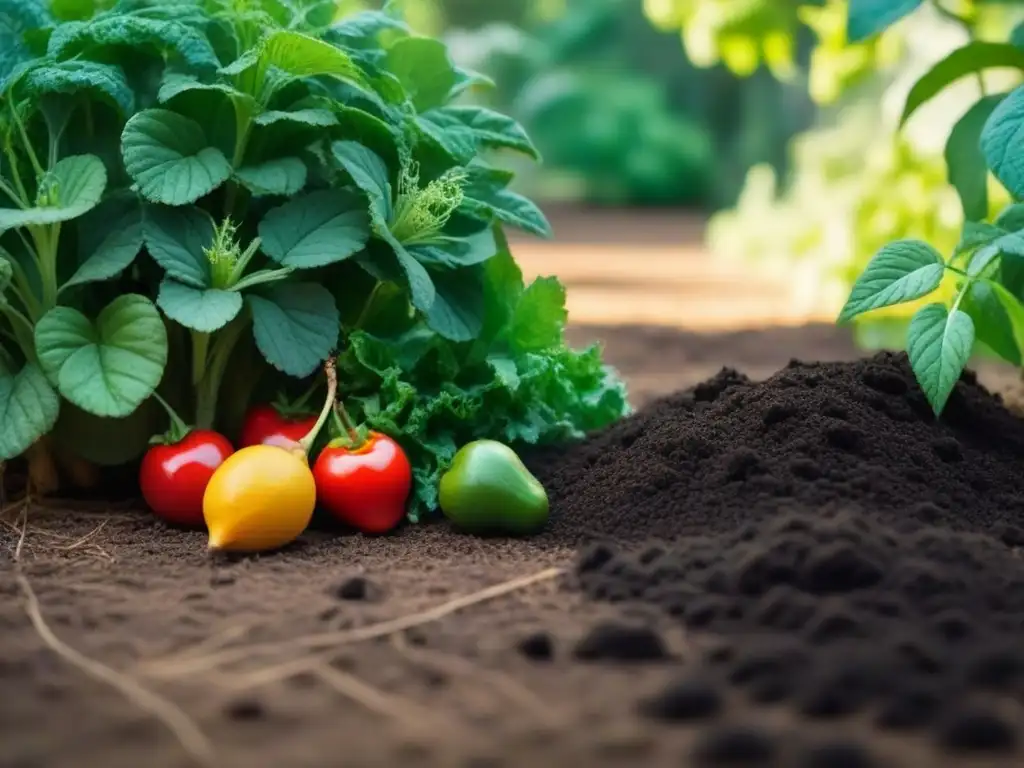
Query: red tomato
[(265, 424), (174, 477), (365, 487)]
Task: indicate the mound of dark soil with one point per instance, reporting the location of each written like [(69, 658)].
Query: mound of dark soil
[(848, 552)]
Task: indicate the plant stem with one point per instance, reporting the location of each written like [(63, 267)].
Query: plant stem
[(24, 331), (179, 429), (365, 312), (344, 424), (306, 443), (209, 386), (200, 349), (15, 197), (29, 150)]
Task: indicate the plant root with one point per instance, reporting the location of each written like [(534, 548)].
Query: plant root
[(188, 734), (191, 665)]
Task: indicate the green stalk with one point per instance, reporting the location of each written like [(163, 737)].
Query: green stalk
[(32, 157), (306, 443), (12, 160), (365, 312), (200, 355), (179, 429), (24, 331), (224, 343)]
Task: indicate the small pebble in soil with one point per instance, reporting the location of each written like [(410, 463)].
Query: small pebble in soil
[(735, 746), (245, 710), (355, 588), (682, 701), (613, 641), (537, 646), (840, 754)]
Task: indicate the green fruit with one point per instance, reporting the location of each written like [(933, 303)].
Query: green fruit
[(489, 489)]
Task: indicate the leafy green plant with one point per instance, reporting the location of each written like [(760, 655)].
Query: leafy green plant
[(985, 268), (210, 197)]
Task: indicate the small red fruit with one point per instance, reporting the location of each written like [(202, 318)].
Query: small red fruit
[(363, 482), (174, 476), (177, 468), (265, 424)]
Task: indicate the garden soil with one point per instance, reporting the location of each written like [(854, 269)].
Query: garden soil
[(800, 568)]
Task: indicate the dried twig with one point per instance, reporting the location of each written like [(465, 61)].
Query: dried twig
[(191, 665), (173, 717)]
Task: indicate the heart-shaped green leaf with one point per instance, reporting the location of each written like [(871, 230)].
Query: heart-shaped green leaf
[(204, 310), (282, 176), (74, 187), (170, 159), (28, 409), (901, 271), (939, 343), (109, 367)]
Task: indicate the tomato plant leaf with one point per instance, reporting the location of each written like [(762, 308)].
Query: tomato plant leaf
[(901, 271), (462, 130), (456, 252), (71, 77), (992, 324), (1002, 142), (109, 367), (114, 255), (202, 309), (320, 228), (457, 312), (28, 408), (176, 239), (866, 18), (170, 159), (423, 67), (368, 172), (134, 31), (969, 59), (74, 187), (964, 160), (282, 176), (939, 344), (316, 118), (296, 326)]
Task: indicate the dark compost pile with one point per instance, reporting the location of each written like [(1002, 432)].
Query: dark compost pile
[(847, 552)]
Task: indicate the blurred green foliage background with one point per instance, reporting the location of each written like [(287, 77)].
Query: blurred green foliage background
[(758, 111)]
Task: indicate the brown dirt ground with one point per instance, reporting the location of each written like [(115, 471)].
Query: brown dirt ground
[(292, 689)]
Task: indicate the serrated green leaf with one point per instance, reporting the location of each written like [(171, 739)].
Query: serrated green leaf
[(1002, 142), (976, 234), (457, 312), (298, 55), (171, 37), (315, 118), (202, 309), (175, 83), (73, 188), (939, 344), (170, 159), (364, 27), (28, 409), (296, 326), (368, 172), (964, 160), (113, 256), (901, 271), (388, 260), (539, 318), (282, 176), (16, 21), (73, 76), (453, 253), (992, 324), (866, 18), (970, 59), (424, 69), (176, 239), (315, 230), (108, 368), (1011, 218), (508, 207), (462, 130)]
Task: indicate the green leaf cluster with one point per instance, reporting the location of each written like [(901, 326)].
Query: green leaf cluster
[(210, 198)]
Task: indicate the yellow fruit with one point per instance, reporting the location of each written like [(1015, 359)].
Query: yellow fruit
[(262, 497)]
